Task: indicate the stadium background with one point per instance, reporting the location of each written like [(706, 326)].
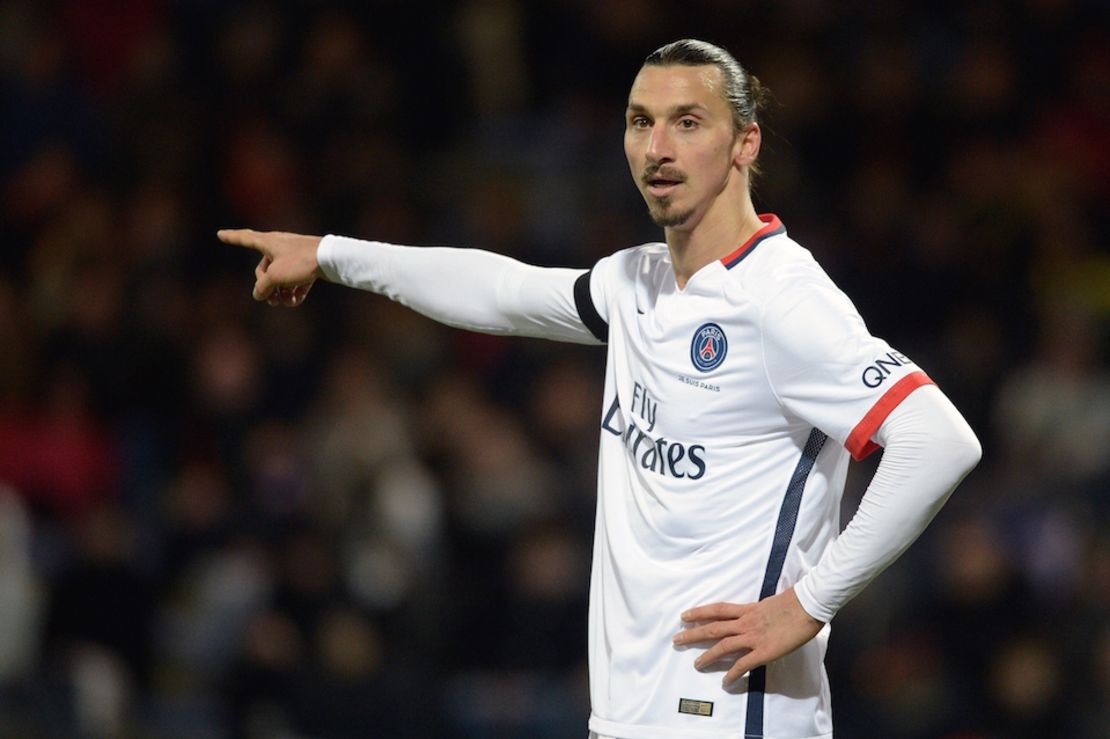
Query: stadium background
[(219, 519)]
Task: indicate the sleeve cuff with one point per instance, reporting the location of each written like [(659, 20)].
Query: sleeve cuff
[(353, 262), (809, 603), (326, 257), (859, 441)]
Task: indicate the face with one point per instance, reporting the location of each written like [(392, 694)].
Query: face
[(680, 141)]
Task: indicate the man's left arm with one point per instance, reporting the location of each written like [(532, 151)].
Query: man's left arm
[(929, 449)]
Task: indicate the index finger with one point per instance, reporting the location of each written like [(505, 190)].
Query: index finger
[(244, 237)]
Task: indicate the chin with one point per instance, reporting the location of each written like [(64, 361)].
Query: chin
[(670, 218)]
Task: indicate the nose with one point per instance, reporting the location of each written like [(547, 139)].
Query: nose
[(659, 150)]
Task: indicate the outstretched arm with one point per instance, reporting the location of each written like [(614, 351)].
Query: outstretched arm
[(929, 450), (465, 288)]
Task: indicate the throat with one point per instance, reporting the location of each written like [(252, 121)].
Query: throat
[(694, 248), (688, 257)]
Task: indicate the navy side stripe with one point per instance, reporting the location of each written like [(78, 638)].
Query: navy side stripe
[(584, 302), (784, 532)]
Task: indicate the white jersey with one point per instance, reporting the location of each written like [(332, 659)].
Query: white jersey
[(718, 479), (731, 408)]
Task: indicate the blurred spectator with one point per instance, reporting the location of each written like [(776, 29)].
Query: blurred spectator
[(262, 682), (62, 458), (1026, 684), (1052, 414), (203, 617), (99, 623), (20, 596), (347, 686)]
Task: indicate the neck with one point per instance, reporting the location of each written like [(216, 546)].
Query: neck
[(727, 224)]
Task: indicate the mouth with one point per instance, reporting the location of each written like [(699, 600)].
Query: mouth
[(661, 187)]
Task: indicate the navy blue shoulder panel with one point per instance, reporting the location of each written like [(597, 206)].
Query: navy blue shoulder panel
[(587, 311)]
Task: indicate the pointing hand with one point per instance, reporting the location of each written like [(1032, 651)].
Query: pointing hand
[(288, 267)]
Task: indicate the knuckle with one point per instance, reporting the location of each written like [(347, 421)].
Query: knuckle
[(720, 629), (732, 644)]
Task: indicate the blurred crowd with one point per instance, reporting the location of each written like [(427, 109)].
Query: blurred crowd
[(220, 519)]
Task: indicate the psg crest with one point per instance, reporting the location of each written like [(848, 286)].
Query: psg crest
[(709, 347)]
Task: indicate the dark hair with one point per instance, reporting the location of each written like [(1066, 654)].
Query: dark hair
[(743, 92)]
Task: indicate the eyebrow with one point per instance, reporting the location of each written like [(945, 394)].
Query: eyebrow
[(676, 110)]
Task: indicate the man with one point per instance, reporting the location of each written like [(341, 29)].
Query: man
[(732, 360)]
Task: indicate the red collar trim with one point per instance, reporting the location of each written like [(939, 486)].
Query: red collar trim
[(772, 227)]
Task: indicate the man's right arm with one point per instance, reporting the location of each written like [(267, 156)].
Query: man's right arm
[(464, 288)]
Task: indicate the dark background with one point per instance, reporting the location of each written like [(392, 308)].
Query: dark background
[(221, 519)]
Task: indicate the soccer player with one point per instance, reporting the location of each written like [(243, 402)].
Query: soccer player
[(739, 382)]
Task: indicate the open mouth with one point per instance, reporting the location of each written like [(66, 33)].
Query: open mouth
[(662, 186)]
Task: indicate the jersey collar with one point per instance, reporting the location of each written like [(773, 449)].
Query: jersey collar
[(772, 226)]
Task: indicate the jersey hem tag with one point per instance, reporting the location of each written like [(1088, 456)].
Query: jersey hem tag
[(695, 707)]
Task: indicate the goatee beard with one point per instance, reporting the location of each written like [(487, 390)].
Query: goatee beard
[(664, 217)]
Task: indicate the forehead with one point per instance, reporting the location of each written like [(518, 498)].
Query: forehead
[(664, 87)]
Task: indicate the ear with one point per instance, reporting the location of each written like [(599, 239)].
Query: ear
[(745, 149)]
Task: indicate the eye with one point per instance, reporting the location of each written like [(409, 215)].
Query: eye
[(639, 121), (688, 124)]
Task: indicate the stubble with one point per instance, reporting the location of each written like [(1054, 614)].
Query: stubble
[(664, 215)]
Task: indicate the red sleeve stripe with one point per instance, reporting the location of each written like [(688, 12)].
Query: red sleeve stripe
[(859, 441)]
